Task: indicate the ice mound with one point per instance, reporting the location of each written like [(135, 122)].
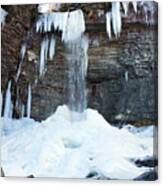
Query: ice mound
[(60, 147)]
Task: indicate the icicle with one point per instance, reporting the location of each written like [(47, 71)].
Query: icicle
[(29, 101), (43, 54), (126, 76), (17, 103), (52, 48), (125, 6), (146, 14), (116, 18), (3, 15), (22, 110), (72, 24), (75, 26), (1, 104), (22, 55), (11, 110), (85, 45), (8, 102), (108, 24), (134, 4)]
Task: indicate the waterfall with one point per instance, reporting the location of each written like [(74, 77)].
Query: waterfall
[(8, 102), (21, 57), (72, 26), (29, 101), (77, 69)]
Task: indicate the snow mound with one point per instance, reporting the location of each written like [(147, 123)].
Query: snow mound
[(58, 147)]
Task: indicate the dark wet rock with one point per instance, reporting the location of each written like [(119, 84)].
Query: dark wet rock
[(30, 176), (2, 173), (148, 176), (98, 176), (150, 162), (92, 175)]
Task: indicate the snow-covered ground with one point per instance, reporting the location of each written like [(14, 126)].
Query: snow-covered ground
[(60, 147)]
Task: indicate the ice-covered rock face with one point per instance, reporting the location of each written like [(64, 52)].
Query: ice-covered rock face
[(3, 15)]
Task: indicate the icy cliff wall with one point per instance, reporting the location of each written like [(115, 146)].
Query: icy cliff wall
[(122, 73)]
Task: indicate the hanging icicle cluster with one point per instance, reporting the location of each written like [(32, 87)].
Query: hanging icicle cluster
[(113, 18), (71, 24), (47, 49), (9, 107)]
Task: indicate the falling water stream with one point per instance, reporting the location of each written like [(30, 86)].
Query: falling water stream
[(77, 69)]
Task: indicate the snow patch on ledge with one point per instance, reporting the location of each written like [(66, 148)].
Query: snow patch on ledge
[(57, 147), (46, 7)]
